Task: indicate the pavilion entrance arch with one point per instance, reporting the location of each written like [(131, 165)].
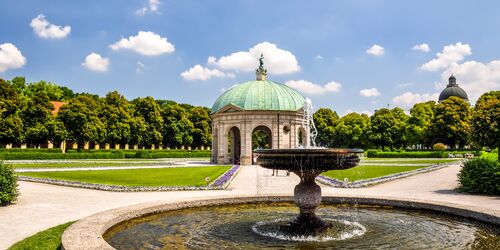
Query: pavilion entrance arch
[(234, 145), (262, 138)]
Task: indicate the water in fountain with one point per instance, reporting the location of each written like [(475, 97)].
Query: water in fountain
[(308, 123)]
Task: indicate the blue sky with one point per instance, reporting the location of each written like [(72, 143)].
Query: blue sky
[(142, 47)]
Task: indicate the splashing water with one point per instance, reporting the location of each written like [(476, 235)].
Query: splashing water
[(308, 123)]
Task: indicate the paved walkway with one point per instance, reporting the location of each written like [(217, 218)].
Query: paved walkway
[(41, 206)]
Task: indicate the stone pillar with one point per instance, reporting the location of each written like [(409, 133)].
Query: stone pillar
[(86, 146), (189, 147), (136, 147), (75, 146), (202, 147), (168, 148), (160, 147), (182, 147), (117, 146), (106, 146), (8, 145), (152, 147), (24, 145), (126, 146), (97, 146), (63, 146), (208, 148), (50, 145)]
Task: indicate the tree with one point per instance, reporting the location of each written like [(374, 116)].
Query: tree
[(150, 110), (451, 124), (177, 127), (325, 120), (486, 120), (81, 119), (36, 115), (388, 128), (202, 132), (11, 125), (420, 123), (351, 131), (115, 115)]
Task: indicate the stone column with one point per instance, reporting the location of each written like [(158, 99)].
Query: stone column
[(24, 145), (86, 146), (117, 146), (106, 146), (75, 146), (152, 147), (126, 146), (50, 145), (96, 146), (8, 145), (189, 148), (136, 147), (160, 147)]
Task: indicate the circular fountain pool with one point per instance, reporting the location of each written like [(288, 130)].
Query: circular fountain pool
[(256, 226)]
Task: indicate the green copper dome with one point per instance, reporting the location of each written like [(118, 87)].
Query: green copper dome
[(260, 95)]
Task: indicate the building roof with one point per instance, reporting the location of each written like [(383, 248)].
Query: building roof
[(57, 107), (452, 89), (260, 95)]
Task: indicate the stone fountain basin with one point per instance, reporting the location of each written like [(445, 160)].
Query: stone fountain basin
[(317, 159)]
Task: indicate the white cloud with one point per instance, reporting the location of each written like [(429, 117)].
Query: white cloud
[(44, 29), (424, 47), (406, 84), (375, 50), (276, 61), (96, 62), (140, 67), (408, 99), (312, 88), (145, 43), (450, 56), (152, 7), (10, 57), (369, 92), (201, 73), (318, 57)]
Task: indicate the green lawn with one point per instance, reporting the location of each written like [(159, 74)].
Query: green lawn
[(368, 172), (84, 164), (407, 161), (48, 239), (185, 176)]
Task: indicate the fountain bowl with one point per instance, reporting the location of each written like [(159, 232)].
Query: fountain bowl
[(317, 159)]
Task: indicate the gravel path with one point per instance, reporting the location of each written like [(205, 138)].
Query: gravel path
[(42, 206)]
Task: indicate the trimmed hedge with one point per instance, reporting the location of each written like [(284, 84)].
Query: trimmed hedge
[(8, 184), (105, 154), (415, 154), (481, 176)]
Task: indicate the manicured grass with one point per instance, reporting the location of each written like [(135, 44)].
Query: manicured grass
[(185, 176), (407, 161), (48, 239), (83, 164), (368, 172)]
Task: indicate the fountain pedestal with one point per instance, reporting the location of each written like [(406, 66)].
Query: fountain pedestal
[(307, 196)]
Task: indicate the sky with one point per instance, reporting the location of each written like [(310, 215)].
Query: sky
[(350, 56)]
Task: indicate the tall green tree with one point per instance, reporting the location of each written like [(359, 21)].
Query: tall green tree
[(452, 122), (325, 120), (116, 116), (36, 116), (352, 131), (420, 123), (387, 128), (202, 124), (177, 127), (81, 119), (486, 120), (11, 125), (151, 112)]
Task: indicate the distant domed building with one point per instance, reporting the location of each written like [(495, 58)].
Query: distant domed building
[(271, 110), (452, 89)]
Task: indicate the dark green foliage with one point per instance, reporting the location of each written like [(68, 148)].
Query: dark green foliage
[(8, 184), (486, 120), (143, 154), (452, 122), (480, 176), (388, 128)]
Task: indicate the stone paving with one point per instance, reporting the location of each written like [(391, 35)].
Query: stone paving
[(42, 206)]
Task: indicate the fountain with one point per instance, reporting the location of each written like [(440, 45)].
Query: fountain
[(307, 163)]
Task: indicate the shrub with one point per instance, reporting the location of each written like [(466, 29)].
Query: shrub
[(143, 154), (8, 184), (480, 175), (439, 147)]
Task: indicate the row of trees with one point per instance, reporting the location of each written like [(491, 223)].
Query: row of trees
[(25, 117), (452, 122)]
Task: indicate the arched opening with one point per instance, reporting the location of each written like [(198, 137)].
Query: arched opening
[(301, 137), (261, 139), (234, 145)]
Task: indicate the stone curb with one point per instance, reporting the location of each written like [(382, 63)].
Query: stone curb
[(87, 233), (369, 182), (115, 188)]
